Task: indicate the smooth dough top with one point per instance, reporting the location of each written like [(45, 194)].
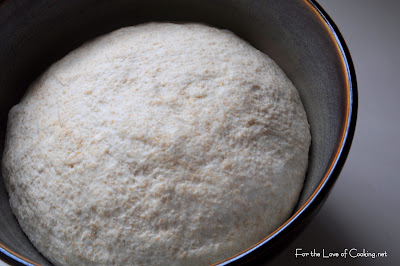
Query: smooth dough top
[(157, 144)]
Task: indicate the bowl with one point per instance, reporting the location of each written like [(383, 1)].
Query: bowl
[(297, 34)]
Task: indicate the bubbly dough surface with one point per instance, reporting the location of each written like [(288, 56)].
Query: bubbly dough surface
[(158, 144)]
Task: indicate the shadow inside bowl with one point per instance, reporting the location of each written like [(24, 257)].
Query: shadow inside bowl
[(37, 33)]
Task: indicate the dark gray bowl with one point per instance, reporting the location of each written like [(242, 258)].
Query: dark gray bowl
[(297, 34)]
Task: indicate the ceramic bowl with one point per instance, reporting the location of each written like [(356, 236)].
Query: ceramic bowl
[(297, 34)]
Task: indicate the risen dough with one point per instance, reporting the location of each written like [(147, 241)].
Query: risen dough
[(158, 144)]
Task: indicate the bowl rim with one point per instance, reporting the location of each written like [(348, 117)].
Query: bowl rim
[(313, 203), (320, 194)]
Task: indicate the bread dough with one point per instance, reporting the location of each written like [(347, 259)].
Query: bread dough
[(157, 144)]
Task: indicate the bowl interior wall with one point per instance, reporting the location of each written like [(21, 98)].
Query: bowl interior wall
[(37, 33)]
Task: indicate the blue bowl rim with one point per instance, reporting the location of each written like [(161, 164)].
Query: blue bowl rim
[(322, 191), (308, 209)]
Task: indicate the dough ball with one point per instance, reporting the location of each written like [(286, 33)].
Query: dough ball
[(157, 144)]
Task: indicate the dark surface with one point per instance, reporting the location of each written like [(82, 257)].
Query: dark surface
[(362, 211), (37, 33)]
